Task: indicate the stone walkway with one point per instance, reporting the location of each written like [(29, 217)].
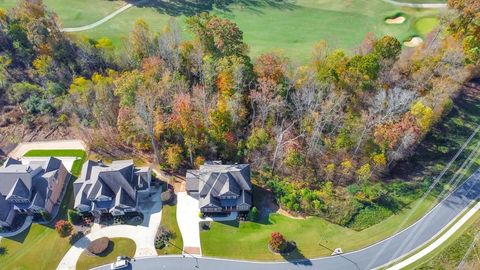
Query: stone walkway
[(143, 235)]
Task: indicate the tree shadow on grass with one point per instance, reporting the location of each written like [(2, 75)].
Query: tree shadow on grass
[(442, 142), (108, 250), (231, 223), (297, 258), (192, 7)]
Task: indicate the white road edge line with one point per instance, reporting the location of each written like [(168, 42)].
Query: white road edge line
[(437, 242)]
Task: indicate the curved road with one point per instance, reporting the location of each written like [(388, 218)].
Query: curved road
[(370, 257)]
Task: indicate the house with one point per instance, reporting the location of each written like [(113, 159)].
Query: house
[(113, 188), (221, 188), (30, 188)]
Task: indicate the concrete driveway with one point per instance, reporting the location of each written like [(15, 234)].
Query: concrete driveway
[(188, 219), (143, 235)]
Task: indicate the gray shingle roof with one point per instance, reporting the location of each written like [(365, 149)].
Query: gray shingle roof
[(19, 189), (119, 181), (192, 180), (11, 161), (26, 181), (213, 181), (5, 208)]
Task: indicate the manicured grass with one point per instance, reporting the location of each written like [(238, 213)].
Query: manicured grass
[(251, 238), (425, 25), (289, 27), (117, 247), (77, 165), (421, 1), (429, 160), (74, 13), (451, 252), (40, 247), (169, 220)]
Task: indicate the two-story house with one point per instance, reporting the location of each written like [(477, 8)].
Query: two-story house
[(221, 188), (113, 188), (30, 188)]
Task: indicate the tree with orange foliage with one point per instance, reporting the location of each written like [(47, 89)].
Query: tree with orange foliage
[(187, 122)]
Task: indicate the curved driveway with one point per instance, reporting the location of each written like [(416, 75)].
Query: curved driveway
[(370, 257), (143, 235)]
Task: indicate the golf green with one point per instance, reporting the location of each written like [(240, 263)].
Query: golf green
[(289, 26)]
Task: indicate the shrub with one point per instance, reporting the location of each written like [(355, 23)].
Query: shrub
[(277, 242), (253, 214), (73, 216), (369, 216), (201, 215), (64, 228), (46, 216), (162, 237), (166, 196), (3, 251), (98, 246)]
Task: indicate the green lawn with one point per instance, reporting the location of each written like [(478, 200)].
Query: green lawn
[(451, 252), (169, 220), (251, 238), (429, 160), (425, 25), (421, 1), (117, 247), (292, 27), (76, 12), (40, 247)]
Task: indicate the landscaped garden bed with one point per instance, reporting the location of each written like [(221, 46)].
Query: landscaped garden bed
[(116, 247)]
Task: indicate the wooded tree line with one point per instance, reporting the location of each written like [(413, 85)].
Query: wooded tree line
[(320, 135)]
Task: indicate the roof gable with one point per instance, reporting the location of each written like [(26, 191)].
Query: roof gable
[(19, 189)]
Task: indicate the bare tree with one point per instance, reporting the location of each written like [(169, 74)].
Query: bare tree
[(169, 45), (150, 95), (264, 101)]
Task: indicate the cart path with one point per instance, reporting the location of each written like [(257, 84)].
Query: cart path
[(103, 20), (417, 5)]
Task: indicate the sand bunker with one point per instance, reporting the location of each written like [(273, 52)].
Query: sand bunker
[(396, 20), (414, 42)]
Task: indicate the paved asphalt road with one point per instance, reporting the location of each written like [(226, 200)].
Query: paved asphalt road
[(367, 258)]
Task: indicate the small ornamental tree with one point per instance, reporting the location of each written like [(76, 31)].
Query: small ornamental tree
[(73, 216), (277, 242), (45, 215), (64, 228), (253, 214)]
